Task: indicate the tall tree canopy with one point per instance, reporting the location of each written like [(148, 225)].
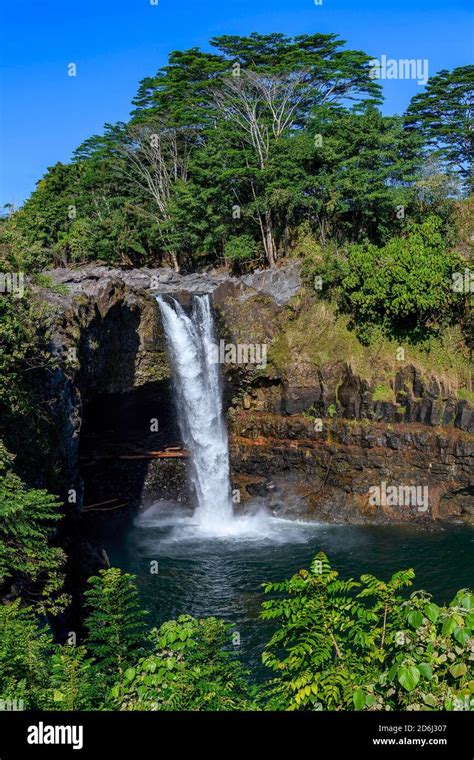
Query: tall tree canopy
[(230, 153), (444, 113)]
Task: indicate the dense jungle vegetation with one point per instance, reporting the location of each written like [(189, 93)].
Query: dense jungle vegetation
[(339, 645)]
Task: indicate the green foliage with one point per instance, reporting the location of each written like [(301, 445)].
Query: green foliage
[(362, 645), (27, 518), (115, 622), (429, 661), (339, 645), (328, 636), (74, 682), (337, 165), (407, 283), (191, 668), (383, 393), (443, 113), (20, 347), (368, 200), (241, 248), (25, 648), (26, 365), (404, 288), (363, 174)]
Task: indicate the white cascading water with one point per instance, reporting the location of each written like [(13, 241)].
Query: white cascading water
[(199, 406)]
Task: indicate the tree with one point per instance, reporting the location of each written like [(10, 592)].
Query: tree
[(261, 108), (405, 287), (361, 179), (157, 158), (283, 82), (47, 216), (114, 623), (229, 154), (444, 113)]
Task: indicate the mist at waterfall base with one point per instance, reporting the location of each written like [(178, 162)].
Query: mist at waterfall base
[(212, 563)]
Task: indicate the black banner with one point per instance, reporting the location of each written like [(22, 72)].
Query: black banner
[(131, 735)]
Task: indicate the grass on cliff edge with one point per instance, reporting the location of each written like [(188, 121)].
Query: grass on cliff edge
[(314, 331)]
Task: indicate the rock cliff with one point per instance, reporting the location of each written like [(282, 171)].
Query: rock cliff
[(321, 417)]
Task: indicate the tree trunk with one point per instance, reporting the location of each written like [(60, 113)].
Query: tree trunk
[(175, 262), (268, 239)]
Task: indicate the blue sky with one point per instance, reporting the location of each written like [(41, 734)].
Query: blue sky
[(45, 114)]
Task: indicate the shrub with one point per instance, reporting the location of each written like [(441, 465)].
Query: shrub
[(346, 644), (115, 622), (240, 248), (406, 286), (25, 649), (191, 668), (27, 518)]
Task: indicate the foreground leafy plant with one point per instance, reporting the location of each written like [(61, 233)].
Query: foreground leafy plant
[(191, 668), (430, 663), (362, 645), (115, 624), (27, 518), (340, 645)]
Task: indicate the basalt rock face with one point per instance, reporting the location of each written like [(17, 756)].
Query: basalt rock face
[(356, 472), (336, 390), (106, 342), (114, 380), (280, 284)]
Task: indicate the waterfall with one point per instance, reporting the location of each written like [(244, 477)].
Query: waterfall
[(199, 407)]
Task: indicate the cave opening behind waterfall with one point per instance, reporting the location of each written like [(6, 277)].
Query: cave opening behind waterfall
[(130, 452)]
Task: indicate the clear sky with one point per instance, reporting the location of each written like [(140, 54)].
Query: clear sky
[(45, 114)]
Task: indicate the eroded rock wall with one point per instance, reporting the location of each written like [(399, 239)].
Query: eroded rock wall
[(329, 473)]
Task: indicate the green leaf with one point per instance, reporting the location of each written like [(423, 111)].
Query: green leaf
[(129, 674), (467, 601), (408, 677), (458, 670), (449, 626), (432, 612), (359, 699), (425, 670), (415, 618), (392, 672), (470, 620), (461, 635)]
